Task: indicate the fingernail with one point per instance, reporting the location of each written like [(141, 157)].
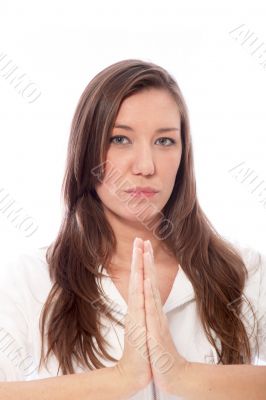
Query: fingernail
[(149, 246), (135, 278)]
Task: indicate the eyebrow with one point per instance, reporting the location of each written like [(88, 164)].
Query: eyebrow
[(160, 130)]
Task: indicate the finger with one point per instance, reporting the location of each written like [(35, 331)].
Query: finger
[(150, 272), (135, 319), (152, 269), (159, 338), (152, 303), (153, 323), (150, 308), (136, 307)]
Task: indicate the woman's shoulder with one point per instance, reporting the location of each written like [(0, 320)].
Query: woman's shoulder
[(255, 262), (254, 259), (255, 290), (21, 262), (25, 271)]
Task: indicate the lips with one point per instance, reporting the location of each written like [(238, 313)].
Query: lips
[(142, 194), (145, 189), (141, 191)]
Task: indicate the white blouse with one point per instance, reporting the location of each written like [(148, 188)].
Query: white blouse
[(25, 285)]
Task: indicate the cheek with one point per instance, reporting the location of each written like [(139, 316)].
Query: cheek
[(116, 170), (113, 178), (116, 161), (168, 170)]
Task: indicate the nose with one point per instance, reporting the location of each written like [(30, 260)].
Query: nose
[(143, 162)]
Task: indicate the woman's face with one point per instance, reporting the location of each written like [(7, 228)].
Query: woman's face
[(141, 155)]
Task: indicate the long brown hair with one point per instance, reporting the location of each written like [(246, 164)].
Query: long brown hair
[(86, 240)]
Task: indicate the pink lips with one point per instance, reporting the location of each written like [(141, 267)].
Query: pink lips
[(142, 191), (141, 194)]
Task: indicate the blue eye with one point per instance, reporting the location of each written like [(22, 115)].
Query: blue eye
[(171, 140), (113, 138)]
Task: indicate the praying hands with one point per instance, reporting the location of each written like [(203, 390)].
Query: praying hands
[(149, 351)]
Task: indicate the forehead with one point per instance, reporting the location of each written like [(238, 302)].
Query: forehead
[(149, 102)]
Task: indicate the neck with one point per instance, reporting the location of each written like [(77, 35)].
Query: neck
[(125, 234)]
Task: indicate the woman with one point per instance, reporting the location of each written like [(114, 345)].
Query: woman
[(180, 296)]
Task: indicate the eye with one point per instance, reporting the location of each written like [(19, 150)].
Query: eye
[(116, 137), (172, 141), (113, 138)]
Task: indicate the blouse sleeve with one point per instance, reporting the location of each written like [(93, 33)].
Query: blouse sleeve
[(255, 292), (15, 359)]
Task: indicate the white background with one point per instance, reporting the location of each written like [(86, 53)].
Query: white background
[(61, 45)]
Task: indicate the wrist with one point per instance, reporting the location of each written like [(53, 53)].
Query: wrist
[(181, 380), (127, 385)]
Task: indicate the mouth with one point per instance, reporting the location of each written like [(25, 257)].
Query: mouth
[(140, 193)]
